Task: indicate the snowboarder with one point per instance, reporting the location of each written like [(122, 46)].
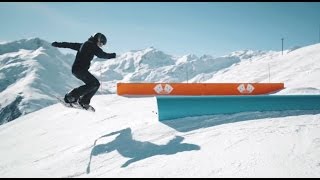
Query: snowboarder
[(80, 68)]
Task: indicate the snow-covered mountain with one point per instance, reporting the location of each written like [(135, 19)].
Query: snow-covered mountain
[(152, 65), (298, 68), (32, 71)]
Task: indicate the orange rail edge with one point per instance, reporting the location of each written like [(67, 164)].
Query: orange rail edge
[(196, 89)]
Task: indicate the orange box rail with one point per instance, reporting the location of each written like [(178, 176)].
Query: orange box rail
[(152, 89)]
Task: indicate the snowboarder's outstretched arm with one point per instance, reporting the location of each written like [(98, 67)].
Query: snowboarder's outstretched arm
[(74, 46), (101, 54)]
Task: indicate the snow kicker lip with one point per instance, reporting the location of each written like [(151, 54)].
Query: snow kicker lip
[(173, 107), (194, 89)]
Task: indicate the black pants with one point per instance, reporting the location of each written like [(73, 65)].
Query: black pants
[(85, 92)]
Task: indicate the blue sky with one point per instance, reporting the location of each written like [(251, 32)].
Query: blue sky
[(176, 28)]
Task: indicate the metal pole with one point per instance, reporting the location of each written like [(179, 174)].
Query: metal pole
[(269, 71), (187, 74), (282, 45)]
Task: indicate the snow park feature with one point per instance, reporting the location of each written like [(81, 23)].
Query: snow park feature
[(151, 89), (179, 100), (173, 107)]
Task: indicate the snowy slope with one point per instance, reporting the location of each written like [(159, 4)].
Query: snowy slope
[(298, 69), (125, 139)]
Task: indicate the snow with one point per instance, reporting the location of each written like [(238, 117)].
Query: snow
[(124, 137), (296, 69)]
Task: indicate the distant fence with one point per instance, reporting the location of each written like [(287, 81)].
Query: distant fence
[(172, 107)]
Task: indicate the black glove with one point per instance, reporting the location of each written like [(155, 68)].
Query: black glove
[(112, 55), (54, 44)]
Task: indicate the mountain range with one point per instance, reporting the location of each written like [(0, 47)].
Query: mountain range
[(32, 72)]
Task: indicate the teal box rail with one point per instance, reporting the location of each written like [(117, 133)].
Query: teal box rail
[(172, 107)]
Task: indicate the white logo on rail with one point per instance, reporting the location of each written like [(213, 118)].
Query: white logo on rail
[(242, 88), (163, 89)]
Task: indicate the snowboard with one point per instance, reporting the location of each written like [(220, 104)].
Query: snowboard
[(74, 105)]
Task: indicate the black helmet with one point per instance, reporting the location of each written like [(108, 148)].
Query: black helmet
[(102, 38)]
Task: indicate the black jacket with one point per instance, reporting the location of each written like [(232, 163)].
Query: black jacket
[(85, 54)]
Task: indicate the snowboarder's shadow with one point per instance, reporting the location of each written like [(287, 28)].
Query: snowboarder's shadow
[(138, 150)]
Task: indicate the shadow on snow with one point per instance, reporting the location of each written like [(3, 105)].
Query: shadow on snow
[(138, 150)]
